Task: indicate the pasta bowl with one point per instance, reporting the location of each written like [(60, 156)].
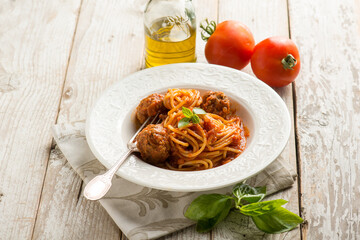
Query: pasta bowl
[(111, 123)]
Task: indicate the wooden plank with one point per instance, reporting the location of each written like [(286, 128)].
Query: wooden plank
[(63, 214), (328, 115), (108, 45), (187, 233), (35, 43), (260, 18)]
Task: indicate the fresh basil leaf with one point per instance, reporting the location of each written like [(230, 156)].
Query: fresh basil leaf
[(277, 221), (195, 119), (250, 194), (208, 224), (187, 112), (209, 210), (199, 111), (260, 208), (183, 122), (208, 206)]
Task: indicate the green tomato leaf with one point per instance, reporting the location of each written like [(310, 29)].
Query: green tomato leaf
[(250, 194), (260, 208), (277, 221), (183, 122), (209, 210), (187, 112), (199, 111), (195, 119)]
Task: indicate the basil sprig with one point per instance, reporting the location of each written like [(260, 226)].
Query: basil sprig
[(210, 209), (190, 116)]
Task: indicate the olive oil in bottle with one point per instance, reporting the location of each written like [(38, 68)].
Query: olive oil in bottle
[(169, 42), (170, 32)]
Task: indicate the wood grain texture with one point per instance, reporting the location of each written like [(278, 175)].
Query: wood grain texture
[(328, 115), (65, 215), (187, 233), (205, 9), (108, 45), (35, 42), (260, 18)]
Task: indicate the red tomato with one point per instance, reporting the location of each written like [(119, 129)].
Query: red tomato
[(231, 45), (276, 61)]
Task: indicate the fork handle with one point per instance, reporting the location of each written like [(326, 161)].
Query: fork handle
[(111, 172), (100, 185)]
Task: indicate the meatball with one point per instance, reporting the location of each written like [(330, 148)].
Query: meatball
[(153, 143), (217, 103), (149, 107)]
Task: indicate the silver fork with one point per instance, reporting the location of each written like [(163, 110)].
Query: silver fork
[(100, 185)]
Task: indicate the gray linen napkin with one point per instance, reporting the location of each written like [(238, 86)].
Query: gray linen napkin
[(142, 212)]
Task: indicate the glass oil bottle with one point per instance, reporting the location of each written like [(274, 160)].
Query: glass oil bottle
[(170, 32)]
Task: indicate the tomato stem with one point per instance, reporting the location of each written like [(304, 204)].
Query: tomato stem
[(288, 62), (208, 30)]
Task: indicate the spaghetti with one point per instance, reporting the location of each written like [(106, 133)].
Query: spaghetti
[(212, 142)]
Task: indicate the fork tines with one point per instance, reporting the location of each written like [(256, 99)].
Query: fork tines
[(150, 120)]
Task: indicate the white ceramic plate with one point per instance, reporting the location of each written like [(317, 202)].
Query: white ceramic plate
[(111, 123)]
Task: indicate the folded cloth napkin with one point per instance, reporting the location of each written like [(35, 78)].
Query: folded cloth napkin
[(142, 212)]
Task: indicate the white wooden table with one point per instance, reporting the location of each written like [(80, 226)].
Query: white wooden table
[(56, 57)]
